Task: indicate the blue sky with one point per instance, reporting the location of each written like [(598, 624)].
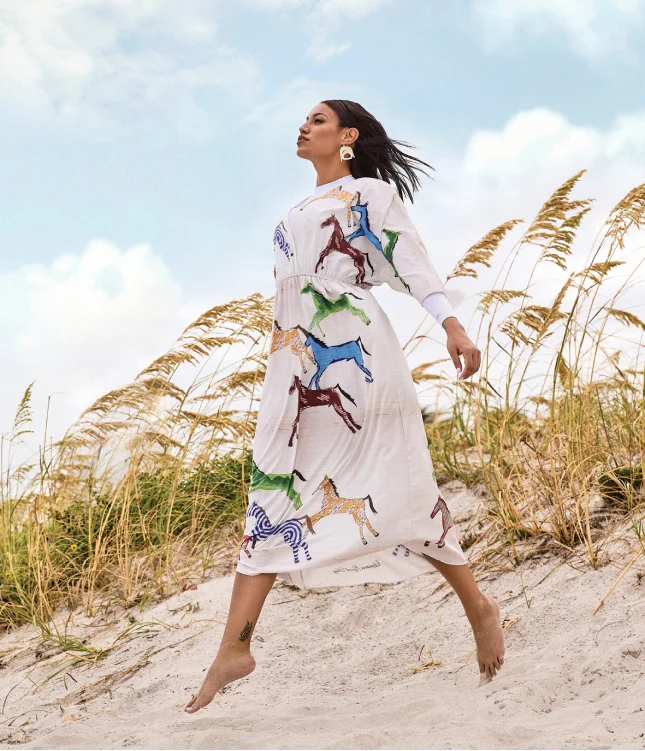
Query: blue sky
[(148, 151)]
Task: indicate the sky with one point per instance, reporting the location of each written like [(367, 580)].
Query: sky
[(148, 150)]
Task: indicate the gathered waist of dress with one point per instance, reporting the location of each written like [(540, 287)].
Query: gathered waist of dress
[(365, 285)]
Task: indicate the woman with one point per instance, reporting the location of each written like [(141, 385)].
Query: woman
[(347, 495)]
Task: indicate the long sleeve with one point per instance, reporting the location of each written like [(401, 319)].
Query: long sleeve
[(439, 307), (411, 270)]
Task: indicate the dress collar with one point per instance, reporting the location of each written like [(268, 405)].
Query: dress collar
[(320, 189)]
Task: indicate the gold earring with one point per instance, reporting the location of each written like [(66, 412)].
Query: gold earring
[(346, 153)]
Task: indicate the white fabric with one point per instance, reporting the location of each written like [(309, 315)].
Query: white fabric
[(320, 189), (343, 488), (437, 304)]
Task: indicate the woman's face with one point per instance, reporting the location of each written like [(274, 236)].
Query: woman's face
[(319, 136)]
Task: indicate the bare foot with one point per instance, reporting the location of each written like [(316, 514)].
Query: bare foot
[(227, 668), (489, 637)]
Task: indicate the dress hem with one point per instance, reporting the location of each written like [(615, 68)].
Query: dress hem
[(387, 566)]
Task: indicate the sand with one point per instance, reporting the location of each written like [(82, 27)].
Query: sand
[(334, 669)]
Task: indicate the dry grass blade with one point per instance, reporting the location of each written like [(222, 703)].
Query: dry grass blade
[(630, 210), (552, 227), (624, 316), (499, 296), (421, 374), (482, 251), (558, 247), (598, 271)]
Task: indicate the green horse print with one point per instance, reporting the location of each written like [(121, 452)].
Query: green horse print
[(325, 307), (268, 481), (388, 252)]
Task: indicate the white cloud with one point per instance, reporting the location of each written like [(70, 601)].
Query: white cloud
[(101, 63), (510, 172), (544, 144), (276, 4), (290, 105), (331, 20), (593, 28), (628, 134), (529, 141), (326, 20), (86, 324)]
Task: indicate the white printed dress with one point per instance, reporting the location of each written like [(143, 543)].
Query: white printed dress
[(342, 489)]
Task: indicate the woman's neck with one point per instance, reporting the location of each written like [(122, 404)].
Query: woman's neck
[(331, 175)]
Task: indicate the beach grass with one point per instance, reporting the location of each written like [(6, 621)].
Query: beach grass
[(146, 492)]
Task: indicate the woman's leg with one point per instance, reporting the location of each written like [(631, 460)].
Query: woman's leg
[(481, 610), (234, 659)]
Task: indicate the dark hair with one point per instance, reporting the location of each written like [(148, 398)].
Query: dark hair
[(375, 153)]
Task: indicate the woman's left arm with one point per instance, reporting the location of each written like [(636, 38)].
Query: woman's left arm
[(410, 270), (440, 309), (458, 343)]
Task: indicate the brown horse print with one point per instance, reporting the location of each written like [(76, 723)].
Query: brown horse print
[(290, 338), (446, 520), (328, 397), (337, 242), (333, 503)]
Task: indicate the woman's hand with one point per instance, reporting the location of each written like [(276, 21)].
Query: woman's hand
[(458, 343)]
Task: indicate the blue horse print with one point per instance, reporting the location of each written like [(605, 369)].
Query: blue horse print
[(326, 354), (290, 529), (364, 229), (281, 240)]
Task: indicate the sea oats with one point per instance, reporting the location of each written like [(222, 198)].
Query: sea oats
[(552, 228), (156, 436), (499, 296), (134, 497), (629, 211), (558, 247), (624, 316), (511, 328), (598, 271), (482, 251), (162, 387), (564, 372)]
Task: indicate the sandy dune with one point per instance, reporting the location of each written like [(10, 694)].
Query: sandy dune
[(334, 670)]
